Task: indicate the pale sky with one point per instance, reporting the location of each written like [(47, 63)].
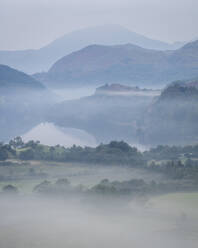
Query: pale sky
[(34, 23)]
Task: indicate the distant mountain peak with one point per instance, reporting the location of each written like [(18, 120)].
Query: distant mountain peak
[(33, 61)]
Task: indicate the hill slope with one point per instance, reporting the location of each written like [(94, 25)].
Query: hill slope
[(173, 118), (31, 61), (10, 77), (128, 64), (23, 102)]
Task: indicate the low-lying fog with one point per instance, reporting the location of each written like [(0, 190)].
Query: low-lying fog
[(28, 220), (47, 223), (73, 93), (146, 93), (33, 220), (76, 93)]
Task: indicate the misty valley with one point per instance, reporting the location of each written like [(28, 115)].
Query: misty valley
[(99, 142), (114, 192)]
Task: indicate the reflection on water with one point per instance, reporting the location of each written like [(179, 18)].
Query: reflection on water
[(50, 134)]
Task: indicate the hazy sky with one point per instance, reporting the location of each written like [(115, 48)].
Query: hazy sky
[(34, 23)]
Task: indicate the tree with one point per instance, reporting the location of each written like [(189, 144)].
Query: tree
[(43, 187), (17, 142), (10, 189), (63, 182), (3, 153), (27, 154)]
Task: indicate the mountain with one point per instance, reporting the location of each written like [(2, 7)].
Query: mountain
[(126, 64), (172, 118), (11, 78), (32, 61)]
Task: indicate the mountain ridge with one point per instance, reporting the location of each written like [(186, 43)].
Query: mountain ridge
[(126, 64), (37, 60)]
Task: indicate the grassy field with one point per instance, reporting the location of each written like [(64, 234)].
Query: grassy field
[(26, 175)]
